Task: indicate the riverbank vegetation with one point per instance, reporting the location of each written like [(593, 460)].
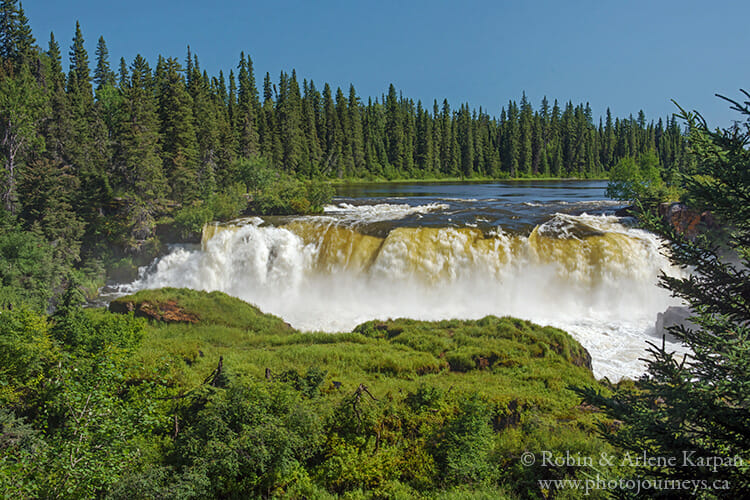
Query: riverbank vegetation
[(210, 398)]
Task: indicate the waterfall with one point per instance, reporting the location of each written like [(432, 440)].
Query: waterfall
[(590, 275)]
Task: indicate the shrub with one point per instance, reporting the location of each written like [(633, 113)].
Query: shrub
[(27, 270), (639, 179), (463, 452), (230, 203), (190, 219)]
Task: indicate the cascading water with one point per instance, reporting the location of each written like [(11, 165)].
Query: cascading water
[(590, 275)]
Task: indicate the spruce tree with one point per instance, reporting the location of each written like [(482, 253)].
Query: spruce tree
[(79, 65), (22, 106), (437, 136), (178, 139), (465, 140), (207, 113), (266, 128), (394, 138), (8, 28), (695, 407), (122, 74), (89, 144), (247, 109), (525, 124), (608, 148), (16, 39), (24, 38), (333, 140), (356, 134), (346, 163), (310, 128), (103, 75), (58, 130), (410, 132), (424, 143), (446, 126), (512, 140), (289, 110), (49, 185), (137, 162)]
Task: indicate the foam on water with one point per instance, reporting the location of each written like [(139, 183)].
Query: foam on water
[(379, 212)]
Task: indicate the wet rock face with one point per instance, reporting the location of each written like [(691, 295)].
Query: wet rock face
[(168, 312), (686, 220), (582, 358), (674, 316)]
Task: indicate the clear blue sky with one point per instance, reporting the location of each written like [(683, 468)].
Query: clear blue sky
[(626, 55)]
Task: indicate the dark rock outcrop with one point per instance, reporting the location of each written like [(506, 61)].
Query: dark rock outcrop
[(582, 358), (629, 211), (674, 316), (687, 221)]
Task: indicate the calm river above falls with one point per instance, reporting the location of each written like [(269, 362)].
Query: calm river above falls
[(548, 251)]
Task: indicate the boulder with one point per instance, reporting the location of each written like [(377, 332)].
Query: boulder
[(674, 316), (685, 220), (629, 211)]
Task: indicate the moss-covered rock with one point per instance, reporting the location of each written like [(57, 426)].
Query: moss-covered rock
[(182, 305)]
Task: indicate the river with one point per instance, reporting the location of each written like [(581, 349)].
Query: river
[(548, 251)]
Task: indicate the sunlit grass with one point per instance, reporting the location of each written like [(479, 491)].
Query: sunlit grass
[(419, 374)]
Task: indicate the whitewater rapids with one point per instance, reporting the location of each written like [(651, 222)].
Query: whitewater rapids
[(591, 275)]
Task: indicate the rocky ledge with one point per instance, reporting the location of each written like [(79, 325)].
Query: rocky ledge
[(687, 221), (169, 311)]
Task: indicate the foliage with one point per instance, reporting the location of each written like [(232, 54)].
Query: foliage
[(463, 452), (226, 205), (93, 332), (21, 107), (27, 271), (640, 179), (277, 193), (699, 404), (241, 405), (73, 416), (190, 219), (255, 173), (26, 352), (230, 203)]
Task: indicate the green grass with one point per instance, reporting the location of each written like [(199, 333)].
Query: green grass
[(504, 359), (214, 308), (421, 375)]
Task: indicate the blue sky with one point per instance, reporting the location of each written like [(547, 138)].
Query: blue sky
[(626, 55)]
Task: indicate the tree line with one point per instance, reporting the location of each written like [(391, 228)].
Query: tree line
[(97, 156)]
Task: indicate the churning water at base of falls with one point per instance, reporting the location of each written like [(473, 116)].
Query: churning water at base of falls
[(552, 252)]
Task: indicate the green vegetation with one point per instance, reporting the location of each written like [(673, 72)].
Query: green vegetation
[(699, 404), (281, 194), (217, 400), (641, 180)]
